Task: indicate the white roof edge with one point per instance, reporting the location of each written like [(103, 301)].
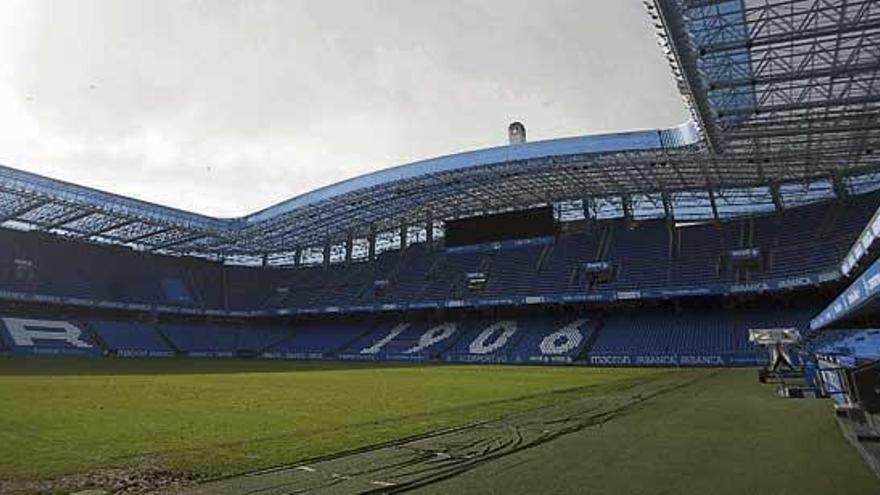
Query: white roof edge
[(682, 135)]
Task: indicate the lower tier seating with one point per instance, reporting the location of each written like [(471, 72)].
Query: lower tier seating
[(634, 337)]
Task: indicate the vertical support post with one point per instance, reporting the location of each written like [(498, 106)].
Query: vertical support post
[(327, 254), (627, 209), (777, 197), (403, 229), (297, 256), (669, 211), (371, 243), (349, 245), (667, 208), (714, 204), (839, 186), (224, 271), (586, 205), (429, 231)]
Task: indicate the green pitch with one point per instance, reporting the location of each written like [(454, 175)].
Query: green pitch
[(215, 416), (718, 431)]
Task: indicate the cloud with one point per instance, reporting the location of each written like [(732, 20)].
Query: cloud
[(226, 107)]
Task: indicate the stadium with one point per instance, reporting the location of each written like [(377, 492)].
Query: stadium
[(593, 314)]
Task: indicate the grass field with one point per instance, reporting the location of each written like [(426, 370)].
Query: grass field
[(221, 417), (217, 417), (722, 435)]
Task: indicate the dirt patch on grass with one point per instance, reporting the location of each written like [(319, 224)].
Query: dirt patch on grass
[(134, 480)]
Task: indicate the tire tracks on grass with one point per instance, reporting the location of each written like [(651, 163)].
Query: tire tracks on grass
[(422, 460)]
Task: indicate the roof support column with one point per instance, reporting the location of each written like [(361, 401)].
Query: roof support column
[(667, 208), (627, 209), (371, 243), (670, 223), (776, 197), (714, 203), (403, 232), (297, 256), (349, 245), (429, 231), (327, 254), (839, 186)]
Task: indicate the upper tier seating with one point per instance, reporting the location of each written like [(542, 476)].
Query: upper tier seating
[(803, 241)]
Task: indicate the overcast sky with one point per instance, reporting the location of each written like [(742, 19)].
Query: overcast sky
[(225, 107)]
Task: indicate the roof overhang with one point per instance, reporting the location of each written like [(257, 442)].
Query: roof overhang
[(784, 96)]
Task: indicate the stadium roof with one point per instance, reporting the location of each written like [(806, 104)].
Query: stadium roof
[(784, 98)]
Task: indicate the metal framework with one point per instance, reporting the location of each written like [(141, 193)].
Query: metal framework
[(785, 104)]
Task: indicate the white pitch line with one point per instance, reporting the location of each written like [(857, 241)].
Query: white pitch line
[(343, 476), (382, 483)]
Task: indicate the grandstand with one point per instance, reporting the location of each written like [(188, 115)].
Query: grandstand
[(649, 248), (764, 191), (649, 261)]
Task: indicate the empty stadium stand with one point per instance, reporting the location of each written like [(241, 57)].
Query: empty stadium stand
[(126, 338), (616, 337), (715, 337), (606, 262), (766, 192), (802, 247)]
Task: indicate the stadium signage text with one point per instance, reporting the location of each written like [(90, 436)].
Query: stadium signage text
[(676, 360), (754, 287), (25, 332)]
